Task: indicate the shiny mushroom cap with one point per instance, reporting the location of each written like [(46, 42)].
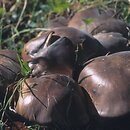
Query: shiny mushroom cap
[(52, 100), (106, 79)]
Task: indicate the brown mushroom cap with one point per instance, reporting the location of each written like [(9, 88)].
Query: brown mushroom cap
[(52, 99), (113, 42), (9, 54), (9, 69), (57, 58), (93, 13), (106, 79), (113, 25), (101, 22)]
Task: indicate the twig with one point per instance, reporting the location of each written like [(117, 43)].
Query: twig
[(22, 12), (34, 94)]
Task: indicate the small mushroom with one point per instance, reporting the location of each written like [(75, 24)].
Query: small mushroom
[(113, 42), (113, 25)]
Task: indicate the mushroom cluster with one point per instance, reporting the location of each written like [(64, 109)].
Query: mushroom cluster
[(79, 76)]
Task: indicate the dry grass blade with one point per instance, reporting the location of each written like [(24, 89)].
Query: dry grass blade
[(48, 39)]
